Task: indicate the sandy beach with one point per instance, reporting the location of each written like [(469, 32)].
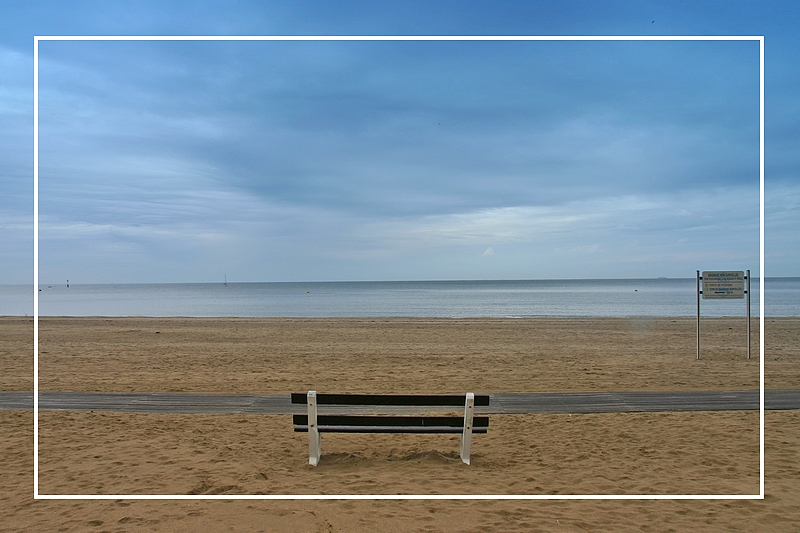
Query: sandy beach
[(611, 453), (406, 355)]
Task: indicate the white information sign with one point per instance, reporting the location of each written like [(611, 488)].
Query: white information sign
[(719, 285)]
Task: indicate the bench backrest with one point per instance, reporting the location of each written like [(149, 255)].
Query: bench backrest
[(443, 400)]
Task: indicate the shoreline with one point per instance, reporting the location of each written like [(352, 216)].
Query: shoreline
[(754, 317)]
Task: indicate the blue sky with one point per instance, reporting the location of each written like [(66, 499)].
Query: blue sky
[(301, 161)]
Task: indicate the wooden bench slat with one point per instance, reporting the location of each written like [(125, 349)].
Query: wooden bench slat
[(448, 400), (405, 421), (389, 429)]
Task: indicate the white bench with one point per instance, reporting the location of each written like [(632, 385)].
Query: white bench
[(315, 423)]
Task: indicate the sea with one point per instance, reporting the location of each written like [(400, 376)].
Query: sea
[(454, 299)]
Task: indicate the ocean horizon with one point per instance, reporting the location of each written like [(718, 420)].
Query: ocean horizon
[(646, 297)]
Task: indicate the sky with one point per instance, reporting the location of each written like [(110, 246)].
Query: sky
[(166, 161)]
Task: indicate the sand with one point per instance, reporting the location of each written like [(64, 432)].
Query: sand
[(614, 453), (407, 355)]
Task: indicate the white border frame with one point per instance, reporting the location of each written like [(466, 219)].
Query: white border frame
[(38, 496)]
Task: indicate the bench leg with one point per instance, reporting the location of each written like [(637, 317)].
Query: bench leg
[(314, 445), (466, 434)]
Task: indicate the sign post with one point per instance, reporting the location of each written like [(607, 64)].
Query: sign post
[(698, 314), (723, 285), (748, 313)]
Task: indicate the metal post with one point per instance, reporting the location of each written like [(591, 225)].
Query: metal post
[(314, 448), (748, 314), (466, 433), (698, 315)]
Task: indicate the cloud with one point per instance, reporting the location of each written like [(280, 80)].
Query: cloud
[(410, 128), (345, 158), (510, 224)]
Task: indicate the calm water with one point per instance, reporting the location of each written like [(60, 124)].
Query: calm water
[(557, 298)]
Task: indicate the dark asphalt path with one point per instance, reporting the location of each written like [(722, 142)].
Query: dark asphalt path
[(501, 403)]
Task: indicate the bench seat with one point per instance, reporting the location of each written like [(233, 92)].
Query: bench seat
[(390, 424)]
